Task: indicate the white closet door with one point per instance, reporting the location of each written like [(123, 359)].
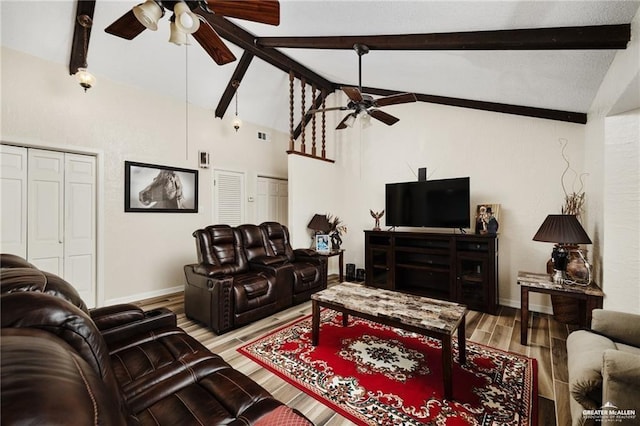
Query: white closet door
[(13, 189), (46, 214), (272, 197), (228, 198), (80, 225)]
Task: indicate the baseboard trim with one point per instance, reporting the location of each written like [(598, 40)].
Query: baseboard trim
[(146, 295)]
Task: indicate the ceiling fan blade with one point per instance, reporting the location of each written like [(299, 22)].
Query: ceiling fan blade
[(264, 11), (401, 98), (127, 26), (341, 108), (353, 93), (213, 44), (387, 119), (343, 123)]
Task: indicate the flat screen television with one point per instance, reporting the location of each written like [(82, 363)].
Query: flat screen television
[(441, 203)]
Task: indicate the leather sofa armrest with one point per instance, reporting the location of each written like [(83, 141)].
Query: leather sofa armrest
[(306, 253), (621, 380), (115, 315), (268, 260), (618, 326), (154, 319), (209, 270)]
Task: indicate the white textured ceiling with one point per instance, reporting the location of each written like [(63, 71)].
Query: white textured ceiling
[(563, 80)]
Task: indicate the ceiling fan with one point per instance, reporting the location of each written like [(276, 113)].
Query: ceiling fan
[(362, 103), (191, 17)]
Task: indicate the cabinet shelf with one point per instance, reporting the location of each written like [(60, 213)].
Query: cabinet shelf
[(424, 267), (456, 267)]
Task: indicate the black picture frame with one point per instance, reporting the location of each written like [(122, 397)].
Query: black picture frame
[(166, 189)]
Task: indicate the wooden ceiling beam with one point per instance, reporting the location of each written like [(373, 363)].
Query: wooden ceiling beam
[(231, 89), (559, 38), (78, 54), (549, 114), (246, 41)]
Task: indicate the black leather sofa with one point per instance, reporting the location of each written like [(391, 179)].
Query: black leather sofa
[(247, 273), (64, 365)]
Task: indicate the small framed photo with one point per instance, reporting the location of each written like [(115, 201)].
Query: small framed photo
[(322, 243), (487, 219), (159, 189)]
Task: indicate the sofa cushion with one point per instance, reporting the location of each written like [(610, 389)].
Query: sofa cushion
[(621, 385), (585, 351), (45, 382), (620, 327)]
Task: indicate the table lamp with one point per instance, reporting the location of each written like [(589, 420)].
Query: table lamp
[(319, 224), (564, 230)]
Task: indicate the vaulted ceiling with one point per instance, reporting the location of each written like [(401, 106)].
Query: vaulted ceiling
[(534, 78)]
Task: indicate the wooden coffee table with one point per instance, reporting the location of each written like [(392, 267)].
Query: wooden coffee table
[(431, 317)]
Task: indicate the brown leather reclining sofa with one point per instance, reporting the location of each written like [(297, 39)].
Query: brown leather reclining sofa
[(117, 365), (247, 273)]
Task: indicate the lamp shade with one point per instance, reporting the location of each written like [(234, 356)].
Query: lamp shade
[(176, 36), (85, 78), (186, 20), (562, 229), (148, 14), (320, 223)]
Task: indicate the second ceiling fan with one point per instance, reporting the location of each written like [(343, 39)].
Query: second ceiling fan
[(192, 17), (362, 103)]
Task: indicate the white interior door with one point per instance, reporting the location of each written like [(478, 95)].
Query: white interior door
[(80, 225), (45, 227), (13, 188), (272, 197)]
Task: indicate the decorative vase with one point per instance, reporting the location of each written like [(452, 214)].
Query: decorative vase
[(577, 267)]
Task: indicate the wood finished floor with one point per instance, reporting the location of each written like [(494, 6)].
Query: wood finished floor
[(546, 344)]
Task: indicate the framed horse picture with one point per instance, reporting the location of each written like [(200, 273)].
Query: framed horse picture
[(160, 189)]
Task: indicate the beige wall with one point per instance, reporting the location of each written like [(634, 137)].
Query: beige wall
[(513, 161), (613, 159), (141, 254)]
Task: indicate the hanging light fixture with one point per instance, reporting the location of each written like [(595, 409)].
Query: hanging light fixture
[(177, 37), (237, 123), (148, 14), (186, 21), (84, 77), (183, 20)]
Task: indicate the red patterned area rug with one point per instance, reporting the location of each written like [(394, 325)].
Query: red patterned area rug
[(376, 375)]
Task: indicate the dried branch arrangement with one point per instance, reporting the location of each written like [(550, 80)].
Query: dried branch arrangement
[(574, 200)]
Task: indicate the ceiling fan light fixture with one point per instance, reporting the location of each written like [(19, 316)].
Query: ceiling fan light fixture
[(365, 119), (352, 119), (176, 36), (186, 21), (85, 78), (148, 13)]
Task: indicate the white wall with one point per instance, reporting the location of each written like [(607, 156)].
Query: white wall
[(622, 212), (613, 159), (142, 254), (513, 161)]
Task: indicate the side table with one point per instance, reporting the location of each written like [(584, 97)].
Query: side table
[(589, 296), (340, 254)]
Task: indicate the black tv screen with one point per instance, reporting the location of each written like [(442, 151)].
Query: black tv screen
[(442, 203)]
